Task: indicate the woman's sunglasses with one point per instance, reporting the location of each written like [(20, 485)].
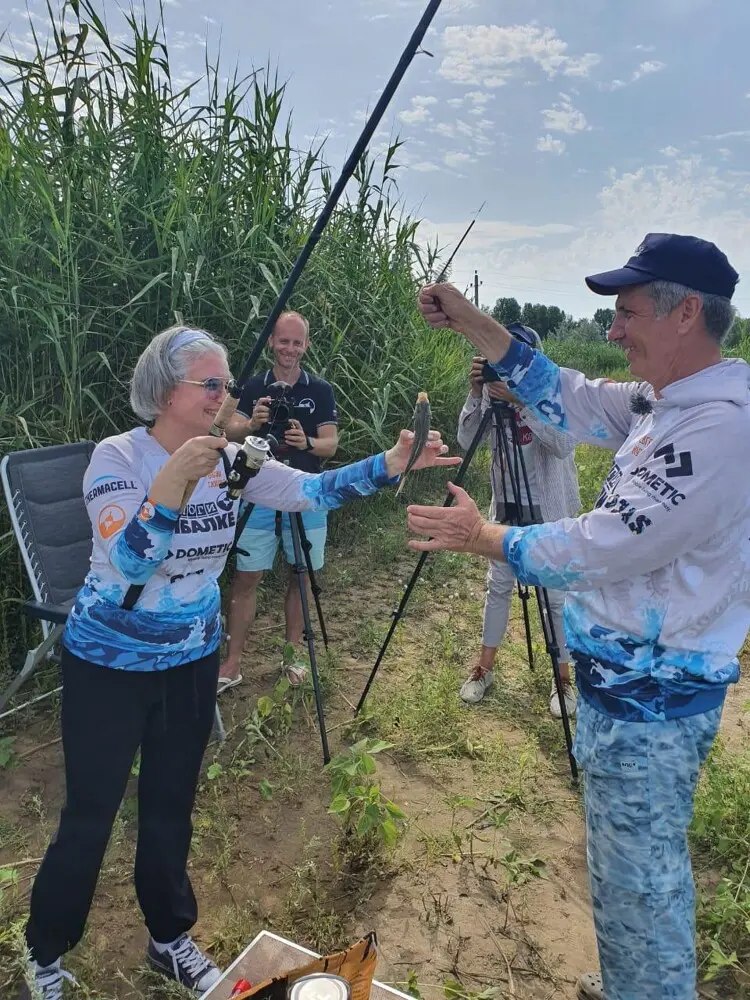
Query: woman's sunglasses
[(212, 385)]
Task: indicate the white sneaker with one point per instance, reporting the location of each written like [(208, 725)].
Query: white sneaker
[(476, 686), (569, 695), (45, 983)]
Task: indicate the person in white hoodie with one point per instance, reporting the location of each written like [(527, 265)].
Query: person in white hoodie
[(549, 459), (658, 581)]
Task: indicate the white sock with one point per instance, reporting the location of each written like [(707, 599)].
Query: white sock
[(46, 968), (161, 948)]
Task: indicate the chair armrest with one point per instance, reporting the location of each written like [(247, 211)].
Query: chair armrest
[(57, 613)]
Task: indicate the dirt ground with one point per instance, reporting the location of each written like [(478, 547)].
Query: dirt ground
[(504, 906)]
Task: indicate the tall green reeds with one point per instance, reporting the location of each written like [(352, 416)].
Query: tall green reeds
[(127, 204)]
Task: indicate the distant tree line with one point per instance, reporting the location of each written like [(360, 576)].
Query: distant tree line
[(553, 322)]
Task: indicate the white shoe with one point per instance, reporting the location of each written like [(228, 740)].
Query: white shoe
[(569, 695), (476, 686)]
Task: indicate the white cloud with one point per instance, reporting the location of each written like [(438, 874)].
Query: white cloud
[(418, 112), (395, 8), (653, 66), (645, 69), (686, 195), (487, 233), (546, 144), (563, 117), (481, 97), (457, 159), (645, 48), (444, 129), (424, 166), (670, 151), (489, 54), (740, 134)]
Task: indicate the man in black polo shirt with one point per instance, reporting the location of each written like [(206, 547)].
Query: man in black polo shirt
[(312, 437)]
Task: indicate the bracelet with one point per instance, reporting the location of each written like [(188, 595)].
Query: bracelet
[(310, 444)]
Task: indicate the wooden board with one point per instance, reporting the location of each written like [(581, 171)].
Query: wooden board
[(270, 955)]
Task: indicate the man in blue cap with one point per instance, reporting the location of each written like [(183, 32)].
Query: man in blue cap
[(658, 581)]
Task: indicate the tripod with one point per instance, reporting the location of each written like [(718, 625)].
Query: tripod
[(302, 565), (511, 459)]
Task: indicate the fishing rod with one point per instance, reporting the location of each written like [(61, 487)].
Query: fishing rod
[(441, 277), (232, 399)]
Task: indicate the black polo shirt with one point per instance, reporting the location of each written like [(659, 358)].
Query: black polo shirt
[(314, 407)]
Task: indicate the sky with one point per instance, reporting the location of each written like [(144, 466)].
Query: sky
[(578, 125)]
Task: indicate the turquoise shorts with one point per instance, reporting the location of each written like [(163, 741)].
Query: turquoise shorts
[(260, 542)]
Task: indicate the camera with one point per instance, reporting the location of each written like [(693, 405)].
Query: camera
[(280, 411), (519, 332)]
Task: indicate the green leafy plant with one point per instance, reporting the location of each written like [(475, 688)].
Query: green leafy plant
[(6, 751), (371, 821), (8, 878), (720, 836)]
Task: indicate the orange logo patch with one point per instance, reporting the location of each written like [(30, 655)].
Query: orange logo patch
[(111, 519)]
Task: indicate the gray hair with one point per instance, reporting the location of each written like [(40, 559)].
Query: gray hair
[(718, 312), (164, 363)]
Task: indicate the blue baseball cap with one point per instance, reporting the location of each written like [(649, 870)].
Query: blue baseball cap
[(525, 334), (685, 260)]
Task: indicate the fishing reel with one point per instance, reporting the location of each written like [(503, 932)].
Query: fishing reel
[(249, 460)]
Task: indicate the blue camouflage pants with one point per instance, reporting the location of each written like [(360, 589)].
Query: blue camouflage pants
[(639, 782)]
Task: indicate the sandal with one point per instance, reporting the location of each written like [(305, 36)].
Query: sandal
[(225, 683), (295, 673), (590, 987), (293, 665)]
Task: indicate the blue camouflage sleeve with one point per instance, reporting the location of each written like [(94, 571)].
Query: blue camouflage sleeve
[(594, 411)]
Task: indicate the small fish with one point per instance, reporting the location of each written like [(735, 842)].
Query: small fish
[(421, 427)]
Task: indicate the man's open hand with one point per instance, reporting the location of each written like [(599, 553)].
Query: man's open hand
[(454, 528)]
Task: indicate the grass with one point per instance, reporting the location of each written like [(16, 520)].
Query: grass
[(720, 837)]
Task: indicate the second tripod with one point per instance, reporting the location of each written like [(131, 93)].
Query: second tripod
[(511, 458)]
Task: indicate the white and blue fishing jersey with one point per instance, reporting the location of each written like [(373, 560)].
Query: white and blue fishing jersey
[(658, 573), (177, 556)]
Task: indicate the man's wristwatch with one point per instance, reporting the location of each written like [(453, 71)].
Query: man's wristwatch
[(310, 444)]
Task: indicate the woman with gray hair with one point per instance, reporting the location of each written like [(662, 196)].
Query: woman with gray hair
[(146, 677)]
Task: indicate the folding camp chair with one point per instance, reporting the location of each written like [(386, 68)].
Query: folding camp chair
[(43, 490)]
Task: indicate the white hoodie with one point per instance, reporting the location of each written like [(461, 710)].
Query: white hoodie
[(659, 571)]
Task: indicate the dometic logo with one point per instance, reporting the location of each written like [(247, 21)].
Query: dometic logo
[(307, 404), (109, 486), (677, 465), (205, 552), (660, 490), (111, 519)]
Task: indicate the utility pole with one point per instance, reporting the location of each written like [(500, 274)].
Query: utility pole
[(477, 283)]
